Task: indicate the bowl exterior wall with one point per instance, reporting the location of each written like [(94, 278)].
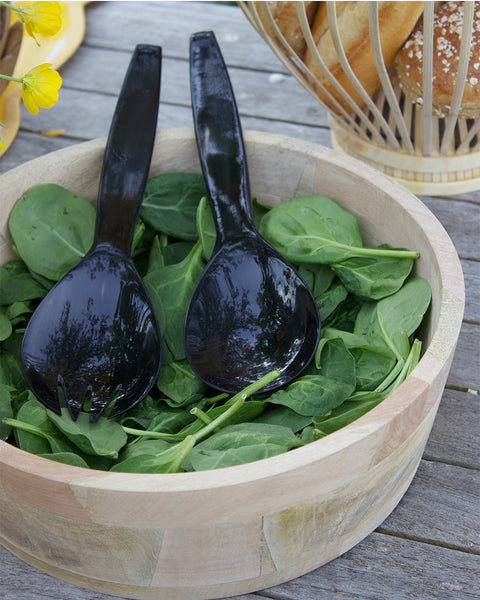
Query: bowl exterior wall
[(231, 531)]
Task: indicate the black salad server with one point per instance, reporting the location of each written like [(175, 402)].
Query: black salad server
[(250, 313), (94, 339)]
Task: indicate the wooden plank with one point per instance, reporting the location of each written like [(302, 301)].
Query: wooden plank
[(384, 567), (461, 220), (441, 506), (471, 273), (231, 27), (380, 567), (257, 92), (454, 437), (465, 370)]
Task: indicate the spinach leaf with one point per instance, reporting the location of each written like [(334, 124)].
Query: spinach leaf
[(346, 414), (316, 229), (282, 415), (52, 229), (331, 299), (373, 277), (179, 384), (206, 228), (34, 413), (16, 287), (387, 321), (154, 457), (312, 395), (6, 411), (318, 277), (170, 203), (143, 413), (176, 252), (103, 438), (372, 362), (5, 326), (336, 361), (11, 371), (242, 443), (170, 288), (67, 458)]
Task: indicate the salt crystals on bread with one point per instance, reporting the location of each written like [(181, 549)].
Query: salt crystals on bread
[(447, 36)]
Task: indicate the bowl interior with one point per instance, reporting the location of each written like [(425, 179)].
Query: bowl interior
[(281, 168)]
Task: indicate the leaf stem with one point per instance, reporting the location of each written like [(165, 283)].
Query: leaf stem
[(183, 449), (237, 402)]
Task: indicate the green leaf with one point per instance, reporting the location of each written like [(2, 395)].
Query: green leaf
[(331, 299), (312, 395), (67, 458), (206, 228), (170, 203), (242, 443), (170, 288), (6, 411), (385, 322), (336, 361), (372, 362), (105, 437), (346, 414), (316, 229), (373, 277), (52, 229), (17, 287), (5, 326), (11, 371), (318, 277), (179, 384), (282, 415), (155, 457)]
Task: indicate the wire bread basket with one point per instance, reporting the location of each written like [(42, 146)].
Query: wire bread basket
[(430, 152)]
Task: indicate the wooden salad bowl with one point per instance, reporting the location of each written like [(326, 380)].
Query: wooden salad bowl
[(211, 534)]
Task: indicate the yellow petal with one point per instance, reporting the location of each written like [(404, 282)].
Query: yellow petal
[(42, 18), (29, 103)]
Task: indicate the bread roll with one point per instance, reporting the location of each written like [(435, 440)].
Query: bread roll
[(447, 32), (396, 22), (285, 15)]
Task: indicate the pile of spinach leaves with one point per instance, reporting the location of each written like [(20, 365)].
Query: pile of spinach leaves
[(369, 302)]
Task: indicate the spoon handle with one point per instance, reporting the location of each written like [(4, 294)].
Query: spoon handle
[(219, 138), (129, 149)]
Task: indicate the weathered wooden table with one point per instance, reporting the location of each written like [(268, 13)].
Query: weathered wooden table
[(429, 546)]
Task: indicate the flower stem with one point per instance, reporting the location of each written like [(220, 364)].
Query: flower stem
[(7, 5), (8, 78)]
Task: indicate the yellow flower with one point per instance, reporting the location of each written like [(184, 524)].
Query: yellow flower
[(40, 18), (40, 88)]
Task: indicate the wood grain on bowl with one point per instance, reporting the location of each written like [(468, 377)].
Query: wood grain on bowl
[(230, 531)]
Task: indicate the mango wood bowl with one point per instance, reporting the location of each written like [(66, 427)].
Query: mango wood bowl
[(211, 534)]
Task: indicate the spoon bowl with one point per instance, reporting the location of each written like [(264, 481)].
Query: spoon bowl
[(251, 313), (94, 337)]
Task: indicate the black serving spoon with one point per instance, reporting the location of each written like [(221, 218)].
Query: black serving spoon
[(251, 313), (95, 335)]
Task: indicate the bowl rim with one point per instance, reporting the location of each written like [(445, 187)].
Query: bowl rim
[(439, 351)]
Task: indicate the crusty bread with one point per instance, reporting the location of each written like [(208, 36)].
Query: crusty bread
[(396, 22), (285, 15), (447, 32)]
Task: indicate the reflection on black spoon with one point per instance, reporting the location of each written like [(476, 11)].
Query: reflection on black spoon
[(95, 333), (251, 313)]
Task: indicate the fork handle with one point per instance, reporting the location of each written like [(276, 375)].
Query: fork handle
[(129, 149)]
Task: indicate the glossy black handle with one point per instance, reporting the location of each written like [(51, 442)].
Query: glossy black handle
[(129, 149), (219, 138)]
